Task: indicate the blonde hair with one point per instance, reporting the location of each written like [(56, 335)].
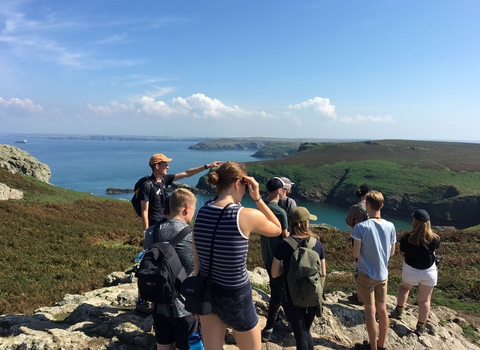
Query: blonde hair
[(180, 198), (226, 174), (300, 229), (422, 233), (374, 199)]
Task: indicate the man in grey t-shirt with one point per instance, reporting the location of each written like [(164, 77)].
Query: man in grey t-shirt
[(174, 324)]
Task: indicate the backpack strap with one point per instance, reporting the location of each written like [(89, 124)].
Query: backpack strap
[(213, 238), (363, 210), (175, 240), (181, 235), (293, 243)]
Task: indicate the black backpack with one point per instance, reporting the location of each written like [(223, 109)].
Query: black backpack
[(160, 274)]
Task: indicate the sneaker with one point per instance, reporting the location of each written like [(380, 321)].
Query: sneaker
[(282, 327), (364, 346), (144, 307), (420, 330), (269, 336), (396, 313)]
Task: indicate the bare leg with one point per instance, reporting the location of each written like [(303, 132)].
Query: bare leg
[(249, 340), (371, 324), (403, 292), (424, 295), (383, 323), (213, 332)]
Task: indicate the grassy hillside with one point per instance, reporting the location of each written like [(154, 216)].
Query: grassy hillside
[(56, 241), (442, 177)]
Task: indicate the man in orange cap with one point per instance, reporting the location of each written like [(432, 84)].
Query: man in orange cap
[(152, 193)]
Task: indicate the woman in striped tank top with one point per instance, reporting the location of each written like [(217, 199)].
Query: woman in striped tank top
[(231, 289)]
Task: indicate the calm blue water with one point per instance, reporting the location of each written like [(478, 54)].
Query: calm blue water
[(94, 166)]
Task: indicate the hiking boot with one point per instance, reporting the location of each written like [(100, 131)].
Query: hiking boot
[(144, 307), (397, 314), (281, 327), (420, 330), (269, 336)]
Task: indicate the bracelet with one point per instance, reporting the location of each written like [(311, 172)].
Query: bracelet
[(205, 166), (256, 201)]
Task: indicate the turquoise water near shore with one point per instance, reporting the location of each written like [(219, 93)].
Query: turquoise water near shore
[(93, 166)]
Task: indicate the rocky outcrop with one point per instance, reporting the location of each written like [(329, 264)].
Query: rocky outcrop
[(9, 193), (16, 160), (105, 319)]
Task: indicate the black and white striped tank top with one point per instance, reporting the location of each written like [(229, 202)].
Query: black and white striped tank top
[(229, 268)]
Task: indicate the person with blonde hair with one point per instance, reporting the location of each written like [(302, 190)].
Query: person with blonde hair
[(172, 323), (299, 318), (232, 301), (419, 268), (373, 245)]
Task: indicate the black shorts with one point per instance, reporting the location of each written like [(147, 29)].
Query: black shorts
[(170, 330)]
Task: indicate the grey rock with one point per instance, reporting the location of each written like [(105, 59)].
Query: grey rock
[(106, 319), (9, 193), (16, 160)]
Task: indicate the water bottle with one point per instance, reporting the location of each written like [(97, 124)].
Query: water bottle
[(140, 256), (195, 342)]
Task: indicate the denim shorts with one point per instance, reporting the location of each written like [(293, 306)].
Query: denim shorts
[(235, 307), (413, 276)]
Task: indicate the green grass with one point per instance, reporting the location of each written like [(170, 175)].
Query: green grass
[(56, 242)]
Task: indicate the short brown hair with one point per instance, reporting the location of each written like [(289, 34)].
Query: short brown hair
[(180, 198), (374, 199)]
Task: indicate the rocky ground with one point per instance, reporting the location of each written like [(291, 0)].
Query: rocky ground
[(105, 319)]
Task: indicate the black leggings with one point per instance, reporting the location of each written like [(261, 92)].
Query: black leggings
[(301, 320)]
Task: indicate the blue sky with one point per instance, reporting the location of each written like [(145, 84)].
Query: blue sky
[(301, 69)]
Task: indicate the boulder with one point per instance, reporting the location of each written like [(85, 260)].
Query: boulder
[(9, 193), (16, 160)]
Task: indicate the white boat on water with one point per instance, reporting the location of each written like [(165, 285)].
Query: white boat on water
[(20, 141)]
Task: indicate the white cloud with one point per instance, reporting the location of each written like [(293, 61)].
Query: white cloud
[(25, 104), (368, 119), (113, 108), (317, 104), (197, 106)]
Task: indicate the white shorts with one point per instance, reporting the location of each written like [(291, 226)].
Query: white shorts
[(413, 276)]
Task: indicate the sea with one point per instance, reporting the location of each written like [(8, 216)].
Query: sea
[(92, 166)]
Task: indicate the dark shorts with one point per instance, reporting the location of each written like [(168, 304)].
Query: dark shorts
[(169, 330), (235, 307)]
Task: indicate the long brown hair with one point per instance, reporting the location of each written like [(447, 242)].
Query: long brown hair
[(300, 229), (422, 234)]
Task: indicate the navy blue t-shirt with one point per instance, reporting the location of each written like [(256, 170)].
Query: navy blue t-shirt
[(156, 199)]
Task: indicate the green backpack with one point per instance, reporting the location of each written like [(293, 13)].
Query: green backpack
[(304, 278)]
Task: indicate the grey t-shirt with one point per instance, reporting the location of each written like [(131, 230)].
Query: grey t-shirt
[(168, 230)]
